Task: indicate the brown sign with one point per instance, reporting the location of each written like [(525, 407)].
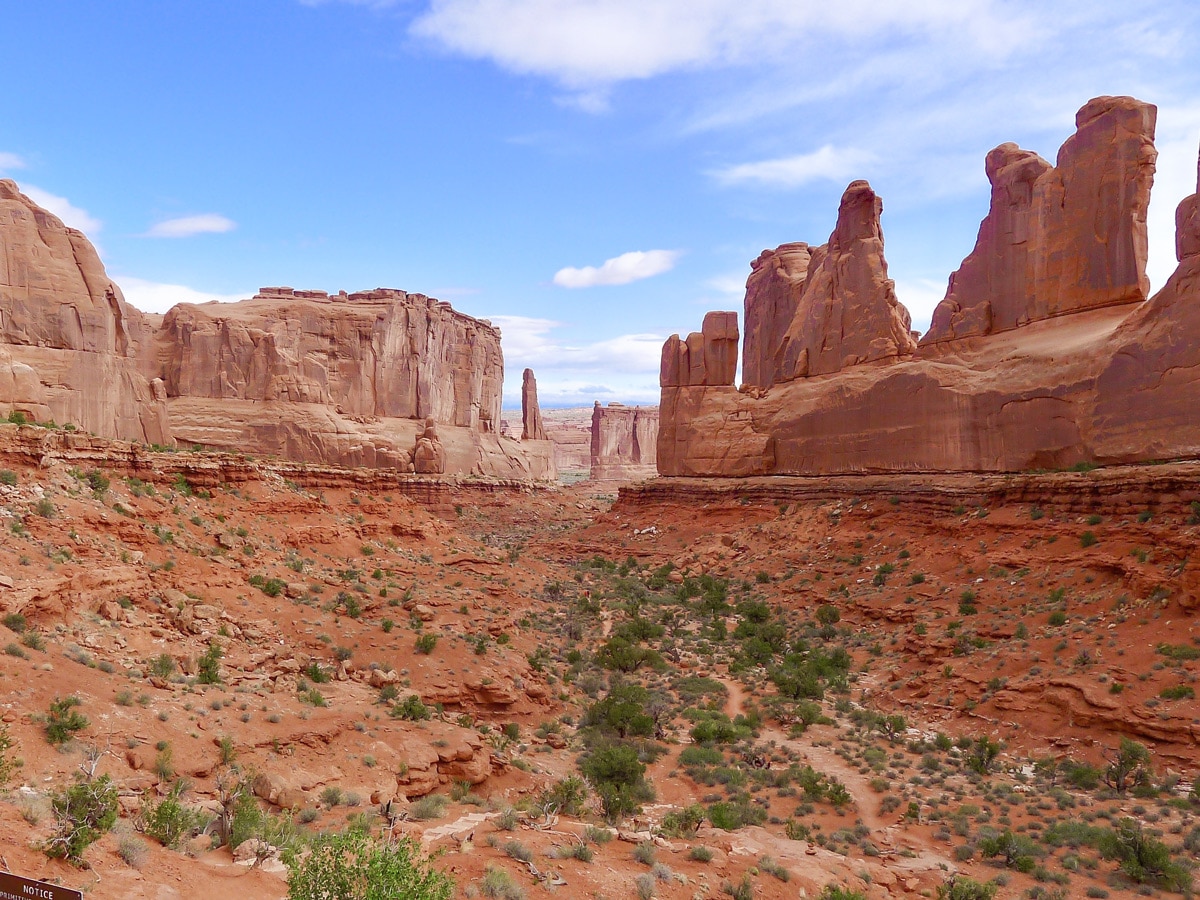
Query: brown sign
[(14, 887)]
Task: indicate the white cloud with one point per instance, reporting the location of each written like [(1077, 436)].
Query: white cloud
[(188, 226), (827, 163), (156, 297), (623, 269), (583, 44), (72, 216), (11, 161)]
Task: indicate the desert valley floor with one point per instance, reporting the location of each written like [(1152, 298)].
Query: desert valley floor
[(874, 685)]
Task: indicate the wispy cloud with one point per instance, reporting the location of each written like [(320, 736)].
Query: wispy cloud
[(9, 161), (157, 297), (189, 226), (586, 44), (623, 269), (71, 215), (827, 163), (621, 368)]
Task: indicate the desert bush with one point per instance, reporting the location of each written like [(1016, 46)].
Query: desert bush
[(354, 865), (168, 821), (63, 720), (83, 813)]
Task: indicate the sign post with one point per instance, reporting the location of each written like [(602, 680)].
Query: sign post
[(14, 887)]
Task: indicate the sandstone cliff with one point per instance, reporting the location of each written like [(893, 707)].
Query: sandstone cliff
[(69, 343), (1044, 353), (624, 442), (349, 379)]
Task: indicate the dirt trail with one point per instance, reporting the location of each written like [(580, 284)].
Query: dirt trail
[(888, 831)]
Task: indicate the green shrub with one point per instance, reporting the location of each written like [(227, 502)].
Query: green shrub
[(354, 865), (83, 813), (208, 667), (170, 822), (63, 720), (426, 642), (963, 888), (8, 477), (431, 806), (618, 776), (1178, 692), (411, 709)]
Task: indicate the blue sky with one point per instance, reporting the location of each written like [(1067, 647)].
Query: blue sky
[(592, 175)]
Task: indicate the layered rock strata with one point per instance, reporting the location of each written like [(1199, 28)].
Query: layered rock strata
[(624, 442), (1044, 354), (71, 348), (347, 379)]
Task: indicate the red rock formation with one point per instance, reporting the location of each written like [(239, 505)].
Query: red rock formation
[(847, 313), (344, 380), (67, 329), (1062, 238), (624, 442), (707, 357), (374, 353), (532, 428), (1080, 375), (773, 292)]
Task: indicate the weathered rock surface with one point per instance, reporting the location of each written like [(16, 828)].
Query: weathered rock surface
[(847, 313), (532, 428), (773, 292), (1060, 363), (1059, 239), (345, 379), (71, 344), (707, 357), (624, 442)]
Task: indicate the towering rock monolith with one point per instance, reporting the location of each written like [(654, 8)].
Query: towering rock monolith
[(1059, 239), (847, 313), (773, 293), (66, 328), (532, 428), (1044, 354)]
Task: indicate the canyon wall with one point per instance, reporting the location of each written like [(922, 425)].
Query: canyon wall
[(624, 442), (1045, 352), (71, 349), (377, 378)]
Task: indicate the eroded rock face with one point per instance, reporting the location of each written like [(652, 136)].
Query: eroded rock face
[(624, 441), (707, 357), (373, 353), (1063, 365), (66, 327), (532, 428), (345, 379), (773, 292), (847, 313), (1059, 239)]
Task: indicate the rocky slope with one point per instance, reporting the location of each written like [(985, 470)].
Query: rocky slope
[(1044, 354)]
